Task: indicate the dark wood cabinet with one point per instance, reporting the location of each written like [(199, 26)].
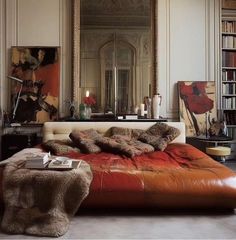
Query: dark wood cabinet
[(13, 143)]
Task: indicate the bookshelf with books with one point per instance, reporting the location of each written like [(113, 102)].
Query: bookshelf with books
[(228, 69)]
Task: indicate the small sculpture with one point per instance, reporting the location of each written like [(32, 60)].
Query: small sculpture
[(72, 108)]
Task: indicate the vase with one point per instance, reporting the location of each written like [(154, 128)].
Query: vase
[(88, 112), (156, 106)]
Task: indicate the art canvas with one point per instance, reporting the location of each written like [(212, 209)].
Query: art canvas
[(39, 70), (197, 106)]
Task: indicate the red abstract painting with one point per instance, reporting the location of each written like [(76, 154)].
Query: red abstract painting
[(197, 106), (34, 96)]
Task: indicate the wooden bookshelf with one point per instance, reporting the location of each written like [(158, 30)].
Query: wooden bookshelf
[(228, 68)]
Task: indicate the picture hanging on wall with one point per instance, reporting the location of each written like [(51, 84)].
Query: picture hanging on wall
[(35, 80), (197, 106)]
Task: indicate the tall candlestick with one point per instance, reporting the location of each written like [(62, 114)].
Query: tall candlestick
[(87, 93)]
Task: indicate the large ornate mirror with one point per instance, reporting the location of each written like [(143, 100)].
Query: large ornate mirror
[(114, 53)]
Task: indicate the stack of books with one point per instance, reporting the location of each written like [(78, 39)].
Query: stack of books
[(37, 161)]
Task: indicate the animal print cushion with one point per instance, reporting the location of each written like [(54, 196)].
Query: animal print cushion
[(85, 140), (157, 142), (132, 133), (58, 147), (123, 145), (159, 135)]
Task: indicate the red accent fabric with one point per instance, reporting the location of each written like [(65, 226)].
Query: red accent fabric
[(116, 172)]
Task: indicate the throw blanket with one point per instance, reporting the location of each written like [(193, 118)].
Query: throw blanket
[(41, 202)]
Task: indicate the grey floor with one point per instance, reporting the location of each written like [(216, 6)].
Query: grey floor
[(108, 224), (149, 224)]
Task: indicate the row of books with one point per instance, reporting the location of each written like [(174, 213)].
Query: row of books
[(229, 26), (228, 42), (229, 102), (228, 75), (230, 117), (228, 59), (229, 88)]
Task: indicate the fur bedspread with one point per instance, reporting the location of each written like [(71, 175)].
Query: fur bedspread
[(41, 202)]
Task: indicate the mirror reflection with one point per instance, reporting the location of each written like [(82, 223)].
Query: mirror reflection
[(115, 53)]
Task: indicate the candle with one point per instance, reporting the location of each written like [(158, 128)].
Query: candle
[(87, 93), (142, 109)]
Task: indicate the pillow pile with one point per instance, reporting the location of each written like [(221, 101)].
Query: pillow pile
[(85, 140), (124, 145), (126, 141), (159, 135)]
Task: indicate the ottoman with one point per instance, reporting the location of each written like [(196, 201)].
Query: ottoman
[(41, 202)]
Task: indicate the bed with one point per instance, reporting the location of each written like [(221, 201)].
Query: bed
[(181, 176)]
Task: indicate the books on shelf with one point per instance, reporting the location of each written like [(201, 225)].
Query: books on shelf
[(229, 88), (229, 102), (229, 75), (228, 59), (229, 42), (228, 26), (230, 117)]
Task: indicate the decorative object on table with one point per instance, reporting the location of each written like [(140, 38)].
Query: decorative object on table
[(89, 101), (156, 105), (218, 128), (82, 112), (18, 95), (36, 98), (72, 108), (148, 105), (142, 109), (197, 105)]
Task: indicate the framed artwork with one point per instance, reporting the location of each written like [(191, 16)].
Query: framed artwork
[(35, 81), (197, 106), (229, 4)]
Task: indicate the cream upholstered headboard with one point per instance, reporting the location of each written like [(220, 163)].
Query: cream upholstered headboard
[(61, 130)]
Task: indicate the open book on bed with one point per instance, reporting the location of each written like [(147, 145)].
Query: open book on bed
[(58, 163)]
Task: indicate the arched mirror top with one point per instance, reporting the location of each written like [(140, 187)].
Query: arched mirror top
[(114, 25)]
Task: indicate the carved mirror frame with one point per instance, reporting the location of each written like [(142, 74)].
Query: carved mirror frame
[(76, 48)]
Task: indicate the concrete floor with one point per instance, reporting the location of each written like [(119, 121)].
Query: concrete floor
[(110, 224)]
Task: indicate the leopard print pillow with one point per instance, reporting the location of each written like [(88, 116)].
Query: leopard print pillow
[(123, 145), (159, 135), (59, 148), (85, 140), (132, 133)]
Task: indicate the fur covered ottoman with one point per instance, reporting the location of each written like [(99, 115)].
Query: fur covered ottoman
[(41, 202)]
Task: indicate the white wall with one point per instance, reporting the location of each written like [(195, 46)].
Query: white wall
[(187, 42), (36, 23), (188, 46)]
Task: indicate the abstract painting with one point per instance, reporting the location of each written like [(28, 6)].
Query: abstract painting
[(35, 81), (197, 106)]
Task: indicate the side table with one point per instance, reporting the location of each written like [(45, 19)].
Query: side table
[(13, 143), (216, 143)]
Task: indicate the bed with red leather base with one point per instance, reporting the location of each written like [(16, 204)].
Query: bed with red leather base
[(181, 176)]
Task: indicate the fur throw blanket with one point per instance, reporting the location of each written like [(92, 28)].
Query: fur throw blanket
[(41, 202)]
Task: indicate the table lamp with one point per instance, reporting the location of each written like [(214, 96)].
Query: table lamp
[(18, 95)]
